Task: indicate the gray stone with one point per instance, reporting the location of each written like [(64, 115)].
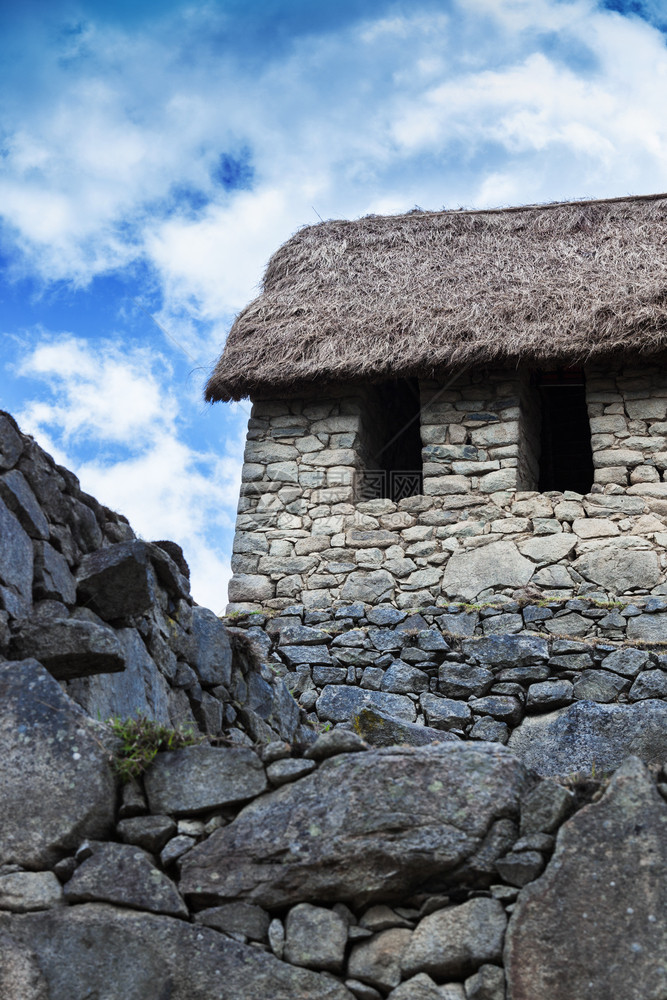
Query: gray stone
[(69, 648), (402, 678), (302, 635), (251, 588), (381, 730), (20, 975), (599, 685), (315, 938), (277, 937), (386, 615), (490, 730), (462, 625), (649, 684), (545, 807), (627, 662), (504, 708), (199, 778), (22, 892), (329, 675), (545, 549), (502, 624), (295, 655), (149, 832), (460, 680), (97, 950), (457, 940), (212, 652), (381, 918), (498, 564), (139, 687), (16, 556), (651, 628), (52, 577), (588, 735), (444, 713), (334, 742), (519, 869), (550, 694), (20, 499), (378, 961), (48, 745), (340, 704), (507, 650), (371, 587), (117, 581), (176, 848), (241, 918), (347, 830), (608, 875), (432, 641), (488, 983), (422, 987), (282, 771), (125, 875), (11, 443), (619, 569)]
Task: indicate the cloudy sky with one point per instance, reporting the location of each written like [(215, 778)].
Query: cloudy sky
[(154, 153)]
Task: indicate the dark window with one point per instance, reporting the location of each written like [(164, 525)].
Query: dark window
[(394, 459), (566, 457)]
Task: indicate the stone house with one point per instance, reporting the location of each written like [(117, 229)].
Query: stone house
[(452, 405)]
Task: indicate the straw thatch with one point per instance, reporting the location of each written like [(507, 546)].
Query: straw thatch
[(426, 292)]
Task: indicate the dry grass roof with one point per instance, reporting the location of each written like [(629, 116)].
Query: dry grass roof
[(424, 293)]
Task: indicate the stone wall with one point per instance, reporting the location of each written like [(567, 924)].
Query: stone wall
[(568, 685), (111, 616), (480, 527)]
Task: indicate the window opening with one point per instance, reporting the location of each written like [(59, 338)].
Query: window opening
[(566, 456), (395, 461)]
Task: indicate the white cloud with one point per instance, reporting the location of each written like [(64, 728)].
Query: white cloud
[(111, 417)]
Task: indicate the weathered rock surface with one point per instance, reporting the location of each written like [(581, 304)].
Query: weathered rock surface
[(117, 581), (69, 648), (360, 827), (126, 875), (378, 960), (339, 703), (497, 564), (315, 938), (212, 659), (593, 925), (22, 892), (587, 735), (51, 748), (619, 569), (455, 941), (382, 730), (199, 778), (97, 950), (20, 974), (139, 688)]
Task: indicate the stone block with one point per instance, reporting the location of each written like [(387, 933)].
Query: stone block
[(60, 757), (16, 555), (619, 570), (497, 564), (69, 648), (315, 938), (118, 581), (340, 704), (455, 941), (24, 892), (52, 579), (201, 778), (378, 961), (251, 588), (21, 501)]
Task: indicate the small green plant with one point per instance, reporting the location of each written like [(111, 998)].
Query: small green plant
[(141, 739)]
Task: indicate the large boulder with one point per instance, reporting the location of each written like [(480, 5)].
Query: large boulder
[(56, 781), (619, 569), (340, 703), (593, 924), (362, 827), (589, 737), (97, 950)]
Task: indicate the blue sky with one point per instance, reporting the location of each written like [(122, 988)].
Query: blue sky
[(154, 154)]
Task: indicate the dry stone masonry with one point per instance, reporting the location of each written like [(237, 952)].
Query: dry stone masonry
[(464, 802), (308, 533)]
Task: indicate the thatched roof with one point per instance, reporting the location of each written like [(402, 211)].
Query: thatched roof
[(426, 292)]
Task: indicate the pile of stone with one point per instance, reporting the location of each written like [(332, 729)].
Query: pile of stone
[(558, 681), (110, 615)]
